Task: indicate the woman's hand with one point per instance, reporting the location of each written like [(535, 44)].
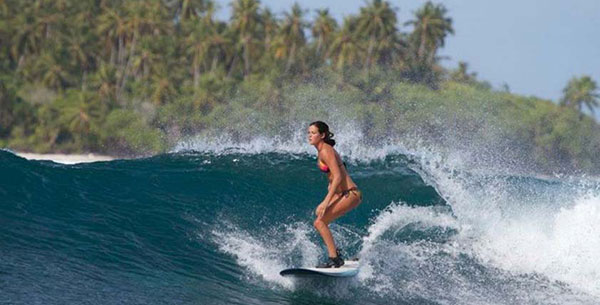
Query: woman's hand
[(320, 211)]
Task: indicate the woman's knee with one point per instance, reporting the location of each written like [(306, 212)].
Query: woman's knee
[(319, 223)]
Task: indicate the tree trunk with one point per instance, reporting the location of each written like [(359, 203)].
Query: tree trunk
[(246, 58), (126, 68), (113, 57), (369, 54), (267, 43), (319, 43), (422, 45), (215, 62), (196, 75), (232, 66), (291, 57), (20, 62), (84, 80), (121, 49)]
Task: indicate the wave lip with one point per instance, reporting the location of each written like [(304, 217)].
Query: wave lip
[(350, 144)]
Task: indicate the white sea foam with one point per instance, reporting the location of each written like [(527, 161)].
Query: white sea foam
[(527, 226), (267, 255), (396, 216), (521, 260), (566, 249), (253, 254), (394, 255)]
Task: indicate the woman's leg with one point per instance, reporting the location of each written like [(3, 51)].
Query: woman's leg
[(339, 207)]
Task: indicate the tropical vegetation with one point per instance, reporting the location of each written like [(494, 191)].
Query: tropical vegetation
[(134, 77), (580, 92)]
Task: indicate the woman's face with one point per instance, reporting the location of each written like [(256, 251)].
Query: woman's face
[(314, 137)]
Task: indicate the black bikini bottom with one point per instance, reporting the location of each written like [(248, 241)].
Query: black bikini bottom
[(354, 190)]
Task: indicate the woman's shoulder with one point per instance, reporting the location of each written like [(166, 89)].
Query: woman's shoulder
[(327, 150)]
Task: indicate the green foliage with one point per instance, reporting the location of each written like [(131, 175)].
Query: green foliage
[(377, 24), (323, 30), (127, 131), (7, 103), (430, 28), (581, 92), (134, 77)]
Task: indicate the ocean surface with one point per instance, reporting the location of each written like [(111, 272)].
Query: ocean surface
[(215, 225)]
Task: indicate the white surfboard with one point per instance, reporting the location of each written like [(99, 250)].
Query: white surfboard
[(350, 268)]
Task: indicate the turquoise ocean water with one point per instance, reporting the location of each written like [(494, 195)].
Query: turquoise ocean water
[(215, 226)]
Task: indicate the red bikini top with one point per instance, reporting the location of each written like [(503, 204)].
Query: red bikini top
[(324, 168)]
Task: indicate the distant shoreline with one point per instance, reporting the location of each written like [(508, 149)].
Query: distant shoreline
[(66, 158)]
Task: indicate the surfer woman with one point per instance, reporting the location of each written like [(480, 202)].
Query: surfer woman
[(343, 194)]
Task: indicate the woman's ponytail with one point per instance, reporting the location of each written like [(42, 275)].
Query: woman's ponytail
[(329, 139)]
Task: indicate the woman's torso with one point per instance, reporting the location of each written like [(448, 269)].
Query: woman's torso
[(346, 182)]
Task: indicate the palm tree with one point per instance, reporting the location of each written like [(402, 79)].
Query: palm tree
[(207, 16), (431, 26), (46, 22), (377, 23), (162, 88), (219, 45), (270, 26), (80, 51), (111, 28), (5, 29), (197, 46), (244, 22), (581, 92), (80, 114), (202, 42), (145, 20), (322, 30), (345, 48), (7, 116), (461, 74), (145, 61), (105, 81), (49, 70), (292, 34), (26, 41), (187, 9), (3, 8)]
